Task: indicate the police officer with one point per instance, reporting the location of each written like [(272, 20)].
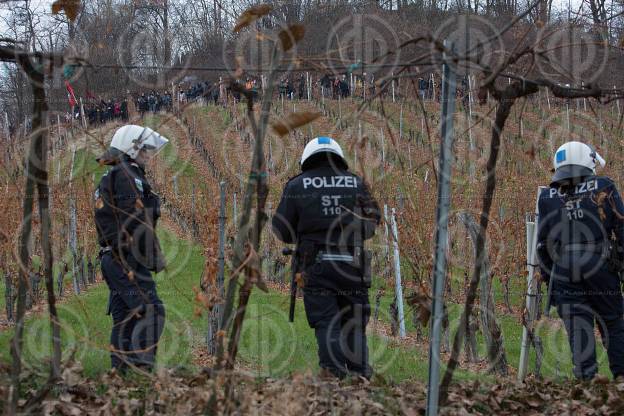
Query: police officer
[(328, 212), (126, 214), (580, 236)]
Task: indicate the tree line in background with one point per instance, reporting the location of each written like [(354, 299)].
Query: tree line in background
[(132, 46)]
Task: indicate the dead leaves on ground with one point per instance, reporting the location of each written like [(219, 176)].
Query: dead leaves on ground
[(293, 121), (181, 392)]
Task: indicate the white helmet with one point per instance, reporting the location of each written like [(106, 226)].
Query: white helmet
[(129, 140), (574, 160), (321, 144)]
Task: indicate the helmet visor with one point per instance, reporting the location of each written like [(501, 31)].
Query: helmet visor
[(599, 160), (151, 141), (567, 172)]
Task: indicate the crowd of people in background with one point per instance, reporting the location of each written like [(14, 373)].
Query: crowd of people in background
[(364, 85), (290, 87), (154, 102), (100, 111), (206, 90), (105, 111)]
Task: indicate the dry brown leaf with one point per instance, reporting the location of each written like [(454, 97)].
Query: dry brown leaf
[(251, 15), (421, 303), (291, 35), (600, 198), (71, 8), (294, 121), (260, 284), (600, 379), (299, 280)]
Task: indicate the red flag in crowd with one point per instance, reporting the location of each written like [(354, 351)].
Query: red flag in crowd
[(70, 94)]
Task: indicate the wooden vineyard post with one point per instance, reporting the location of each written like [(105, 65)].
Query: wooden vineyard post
[(73, 233), (309, 85), (383, 150), (83, 267), (58, 126), (235, 212), (195, 230), (548, 99), (401, 122), (441, 239), (7, 130), (386, 245), (398, 288), (568, 115), (352, 85), (531, 296), (471, 145), (266, 246), (82, 115), (216, 315), (339, 112), (73, 244), (59, 280), (271, 162), (8, 295)]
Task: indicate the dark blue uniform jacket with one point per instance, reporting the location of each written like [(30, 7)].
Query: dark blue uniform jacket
[(126, 214), (578, 227), (326, 205)]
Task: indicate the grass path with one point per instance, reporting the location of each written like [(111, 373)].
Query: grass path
[(270, 345)]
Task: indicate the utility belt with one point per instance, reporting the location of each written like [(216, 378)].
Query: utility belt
[(126, 261), (151, 258), (104, 250), (113, 253), (311, 253), (609, 250)]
